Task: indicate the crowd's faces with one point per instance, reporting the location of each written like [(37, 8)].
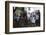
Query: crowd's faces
[(31, 14)]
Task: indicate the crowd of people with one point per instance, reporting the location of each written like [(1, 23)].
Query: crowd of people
[(22, 18)]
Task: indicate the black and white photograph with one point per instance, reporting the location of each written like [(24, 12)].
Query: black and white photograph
[(26, 17), (22, 17)]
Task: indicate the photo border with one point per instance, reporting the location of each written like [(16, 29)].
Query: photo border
[(7, 16)]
